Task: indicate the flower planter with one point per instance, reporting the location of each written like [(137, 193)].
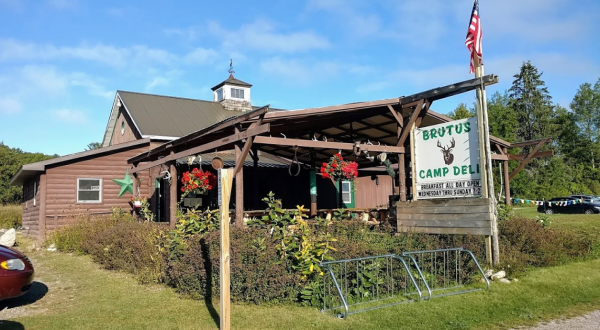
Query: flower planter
[(137, 203)]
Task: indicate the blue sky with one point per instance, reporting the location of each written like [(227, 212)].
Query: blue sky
[(61, 61)]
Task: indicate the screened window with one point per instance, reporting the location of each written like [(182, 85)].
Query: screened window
[(219, 94), (347, 192), (89, 190), (237, 93)]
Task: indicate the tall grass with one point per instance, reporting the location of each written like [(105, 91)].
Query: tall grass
[(11, 216)]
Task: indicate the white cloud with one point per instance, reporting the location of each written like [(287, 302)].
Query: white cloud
[(43, 79), (10, 105), (201, 56), (262, 35), (298, 71), (157, 81), (93, 87), (190, 33), (74, 117)]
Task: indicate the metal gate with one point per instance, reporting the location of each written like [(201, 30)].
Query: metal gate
[(367, 283)]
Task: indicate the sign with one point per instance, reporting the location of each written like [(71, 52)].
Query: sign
[(447, 160)]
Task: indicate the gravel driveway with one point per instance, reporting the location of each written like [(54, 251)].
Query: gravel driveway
[(590, 321)]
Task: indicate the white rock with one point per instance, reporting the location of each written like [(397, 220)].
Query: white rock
[(515, 280), (499, 275), (489, 273), (504, 280), (52, 247), (9, 238)]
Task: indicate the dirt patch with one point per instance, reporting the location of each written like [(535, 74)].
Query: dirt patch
[(590, 321)]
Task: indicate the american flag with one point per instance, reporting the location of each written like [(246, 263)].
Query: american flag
[(473, 41)]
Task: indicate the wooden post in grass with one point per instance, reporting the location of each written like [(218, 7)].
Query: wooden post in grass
[(224, 182)]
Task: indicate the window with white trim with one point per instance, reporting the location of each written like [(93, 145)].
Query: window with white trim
[(237, 93), (89, 190), (346, 192), (219, 94)]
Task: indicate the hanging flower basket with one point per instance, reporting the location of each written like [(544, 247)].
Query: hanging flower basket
[(198, 182), (337, 169), (137, 201)]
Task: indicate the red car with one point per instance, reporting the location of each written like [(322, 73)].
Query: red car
[(16, 273)]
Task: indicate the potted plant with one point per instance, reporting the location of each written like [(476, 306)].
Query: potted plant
[(197, 182), (137, 201)]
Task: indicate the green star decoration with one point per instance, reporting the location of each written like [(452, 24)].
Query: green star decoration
[(126, 184)]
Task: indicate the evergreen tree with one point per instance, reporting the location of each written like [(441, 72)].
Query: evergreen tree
[(531, 103), (586, 110), (461, 112), (502, 118)]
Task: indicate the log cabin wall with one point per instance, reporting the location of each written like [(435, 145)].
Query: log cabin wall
[(31, 208), (129, 131), (61, 186)]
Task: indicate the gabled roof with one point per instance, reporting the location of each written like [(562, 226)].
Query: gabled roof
[(30, 170), (231, 81), (164, 117)]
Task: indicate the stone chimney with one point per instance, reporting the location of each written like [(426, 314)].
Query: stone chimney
[(233, 94)]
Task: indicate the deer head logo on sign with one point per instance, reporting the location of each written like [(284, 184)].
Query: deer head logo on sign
[(447, 152)]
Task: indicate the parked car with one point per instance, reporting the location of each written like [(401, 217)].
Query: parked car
[(16, 273), (586, 207), (587, 198)]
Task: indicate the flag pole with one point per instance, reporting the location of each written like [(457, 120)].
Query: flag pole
[(482, 116)]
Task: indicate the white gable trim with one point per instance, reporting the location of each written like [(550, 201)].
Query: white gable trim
[(112, 120)]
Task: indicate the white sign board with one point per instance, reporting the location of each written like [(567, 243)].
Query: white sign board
[(447, 160)]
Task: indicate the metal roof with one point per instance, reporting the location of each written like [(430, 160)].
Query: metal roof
[(228, 158), (29, 170), (167, 116), (232, 81)]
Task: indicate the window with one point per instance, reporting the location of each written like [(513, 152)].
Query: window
[(346, 192), (89, 190), (34, 192), (237, 93), (122, 127), (219, 94)]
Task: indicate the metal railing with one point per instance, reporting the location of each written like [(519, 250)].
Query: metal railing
[(367, 283)]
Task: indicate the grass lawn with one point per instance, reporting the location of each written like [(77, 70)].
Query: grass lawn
[(584, 224), (83, 296)]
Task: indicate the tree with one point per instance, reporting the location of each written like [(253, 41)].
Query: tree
[(502, 118), (461, 112), (586, 110), (531, 103), (93, 145)]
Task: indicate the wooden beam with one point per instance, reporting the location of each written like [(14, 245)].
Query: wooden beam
[(423, 113), (42, 202), (399, 118), (324, 145), (506, 180), (238, 174), (173, 195), (527, 159), (499, 157), (208, 146), (528, 143), (450, 90), (499, 149), (548, 153), (409, 124)]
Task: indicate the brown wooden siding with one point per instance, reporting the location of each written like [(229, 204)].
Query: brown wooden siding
[(31, 213), (130, 132), (61, 186), (370, 195), (446, 216)]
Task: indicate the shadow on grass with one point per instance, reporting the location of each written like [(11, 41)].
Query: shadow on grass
[(11, 325), (209, 289), (37, 291)]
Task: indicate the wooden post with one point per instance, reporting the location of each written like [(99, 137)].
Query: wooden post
[(225, 180), (413, 158), (486, 171), (42, 203), (173, 196), (239, 187), (506, 180), (402, 177)]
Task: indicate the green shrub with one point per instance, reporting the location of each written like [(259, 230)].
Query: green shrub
[(11, 216), (526, 243)]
